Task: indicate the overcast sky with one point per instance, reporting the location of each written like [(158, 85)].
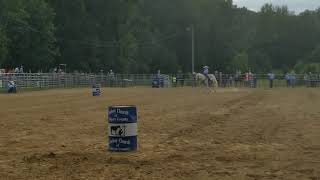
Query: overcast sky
[(294, 5)]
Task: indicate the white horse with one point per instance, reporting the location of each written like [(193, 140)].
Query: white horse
[(203, 80)]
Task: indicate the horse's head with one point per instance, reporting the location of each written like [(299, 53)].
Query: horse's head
[(199, 76), (194, 74)]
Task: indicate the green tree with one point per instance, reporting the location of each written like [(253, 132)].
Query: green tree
[(307, 67), (141, 36), (314, 55), (260, 62), (30, 33), (3, 46), (239, 62)]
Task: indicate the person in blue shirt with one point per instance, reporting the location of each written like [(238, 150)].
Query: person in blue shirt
[(287, 77), (158, 73), (271, 77), (292, 78), (206, 71)]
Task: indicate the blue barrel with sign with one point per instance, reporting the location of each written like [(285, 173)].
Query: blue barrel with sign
[(123, 128), (96, 90)]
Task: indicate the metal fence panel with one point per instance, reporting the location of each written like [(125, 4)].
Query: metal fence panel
[(60, 80)]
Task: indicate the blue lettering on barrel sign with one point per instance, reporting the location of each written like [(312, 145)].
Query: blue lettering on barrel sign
[(122, 115), (123, 144)]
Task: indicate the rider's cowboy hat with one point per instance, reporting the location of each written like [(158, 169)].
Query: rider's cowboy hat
[(206, 67)]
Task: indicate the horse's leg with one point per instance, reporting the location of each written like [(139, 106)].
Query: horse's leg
[(213, 86), (202, 86), (208, 87)]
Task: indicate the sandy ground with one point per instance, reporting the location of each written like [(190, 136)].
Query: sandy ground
[(184, 133)]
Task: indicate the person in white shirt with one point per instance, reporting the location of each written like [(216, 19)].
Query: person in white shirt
[(271, 77)]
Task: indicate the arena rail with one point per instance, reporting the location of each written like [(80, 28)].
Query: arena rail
[(71, 80)]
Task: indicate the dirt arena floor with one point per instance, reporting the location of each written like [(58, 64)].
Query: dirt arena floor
[(184, 133)]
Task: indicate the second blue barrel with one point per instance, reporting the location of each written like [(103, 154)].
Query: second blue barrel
[(123, 128)]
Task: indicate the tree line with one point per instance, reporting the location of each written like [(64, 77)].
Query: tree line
[(142, 36)]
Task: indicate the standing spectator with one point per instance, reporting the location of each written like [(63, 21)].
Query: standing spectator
[(174, 81), (255, 80), (271, 77), (251, 79), (306, 80), (246, 79), (216, 74), (16, 70), (237, 78), (112, 78), (180, 78), (21, 69), (160, 79), (310, 79), (224, 80), (313, 80), (292, 79), (231, 80), (220, 79), (287, 77)]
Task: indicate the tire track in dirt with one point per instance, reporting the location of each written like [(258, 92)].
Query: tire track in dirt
[(218, 116), (203, 128), (265, 138)]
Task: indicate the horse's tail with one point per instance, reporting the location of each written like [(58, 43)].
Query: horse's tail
[(216, 83)]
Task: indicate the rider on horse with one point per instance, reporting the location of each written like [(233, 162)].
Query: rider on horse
[(206, 72)]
